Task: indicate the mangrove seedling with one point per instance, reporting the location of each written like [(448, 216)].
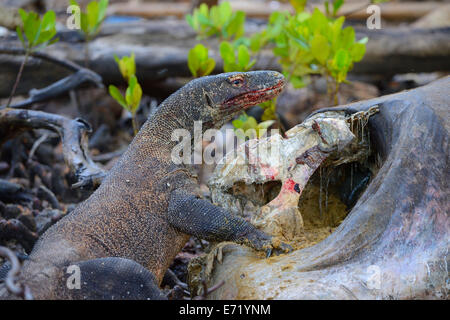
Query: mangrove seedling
[(133, 94), (91, 21), (199, 63), (35, 33)]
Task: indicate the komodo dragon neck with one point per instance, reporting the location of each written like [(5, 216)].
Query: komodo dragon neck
[(147, 207)]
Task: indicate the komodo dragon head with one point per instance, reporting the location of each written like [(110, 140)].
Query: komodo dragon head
[(216, 99)]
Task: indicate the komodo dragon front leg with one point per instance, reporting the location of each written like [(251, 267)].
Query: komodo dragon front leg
[(201, 218)]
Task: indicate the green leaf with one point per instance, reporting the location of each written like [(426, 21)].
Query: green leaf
[(38, 32), (23, 15), (249, 122), (31, 26), (217, 21), (198, 62), (19, 33), (318, 21), (190, 21), (214, 16), (84, 24), (357, 52), (225, 11), (235, 26), (127, 66), (203, 9), (338, 23), (320, 48), (102, 10), (243, 124), (299, 40), (48, 21), (237, 123), (347, 37), (303, 16), (256, 42), (342, 59), (133, 94), (92, 18), (136, 98), (227, 52), (263, 126), (243, 56), (204, 20), (208, 67), (337, 4), (92, 11), (193, 62), (115, 93)]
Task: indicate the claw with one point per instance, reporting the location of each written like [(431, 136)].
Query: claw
[(283, 249), (286, 248)]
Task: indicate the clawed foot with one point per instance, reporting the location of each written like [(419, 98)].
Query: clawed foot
[(261, 241), (280, 249)]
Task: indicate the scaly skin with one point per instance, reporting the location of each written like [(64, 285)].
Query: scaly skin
[(147, 207)]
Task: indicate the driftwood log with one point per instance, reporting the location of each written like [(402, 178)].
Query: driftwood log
[(354, 10), (161, 49), (74, 137), (80, 76), (394, 243)]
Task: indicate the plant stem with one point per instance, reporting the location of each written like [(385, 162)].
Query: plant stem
[(329, 90), (135, 124), (336, 99), (19, 75)]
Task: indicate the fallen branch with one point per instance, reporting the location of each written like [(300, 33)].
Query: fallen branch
[(81, 76), (390, 11), (74, 137), (60, 87)]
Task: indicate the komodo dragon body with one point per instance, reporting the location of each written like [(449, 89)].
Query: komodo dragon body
[(124, 237)]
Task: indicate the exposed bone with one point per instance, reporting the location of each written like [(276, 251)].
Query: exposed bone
[(73, 133), (394, 242), (292, 161)]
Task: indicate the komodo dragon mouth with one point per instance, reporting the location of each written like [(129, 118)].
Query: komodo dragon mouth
[(255, 97)]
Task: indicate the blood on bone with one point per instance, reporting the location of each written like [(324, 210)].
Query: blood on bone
[(289, 185)]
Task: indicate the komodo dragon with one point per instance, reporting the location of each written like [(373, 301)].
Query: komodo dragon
[(125, 235)]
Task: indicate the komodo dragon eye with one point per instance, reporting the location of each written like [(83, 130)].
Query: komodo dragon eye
[(236, 81)]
